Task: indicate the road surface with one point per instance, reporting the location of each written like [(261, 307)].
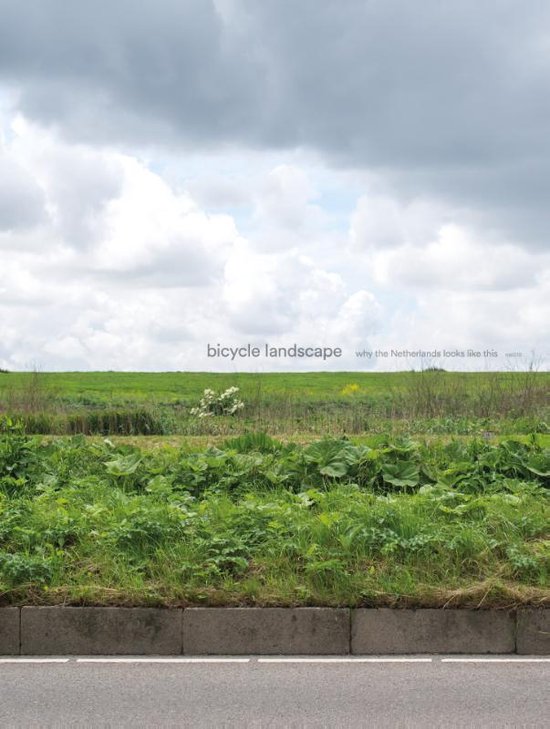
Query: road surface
[(423, 691)]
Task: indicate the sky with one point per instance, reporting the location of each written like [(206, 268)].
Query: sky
[(182, 180)]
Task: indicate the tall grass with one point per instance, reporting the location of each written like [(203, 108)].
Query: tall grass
[(436, 394)]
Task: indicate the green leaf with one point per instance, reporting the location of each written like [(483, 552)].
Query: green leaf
[(124, 466), (403, 474), (539, 464), (336, 469)]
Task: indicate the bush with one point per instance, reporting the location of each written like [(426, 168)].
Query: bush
[(226, 403)]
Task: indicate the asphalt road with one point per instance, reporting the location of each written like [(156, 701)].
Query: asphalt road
[(263, 692)]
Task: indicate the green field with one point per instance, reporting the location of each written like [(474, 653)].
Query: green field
[(285, 404), (172, 387)]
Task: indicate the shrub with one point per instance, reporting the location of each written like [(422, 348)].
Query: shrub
[(226, 403)]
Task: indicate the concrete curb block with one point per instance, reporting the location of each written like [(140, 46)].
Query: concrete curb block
[(9, 631), (264, 631), (102, 630), (237, 631), (432, 631), (533, 631)]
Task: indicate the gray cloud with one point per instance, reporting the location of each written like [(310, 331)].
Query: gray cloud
[(21, 199), (183, 263), (446, 99), (114, 70), (80, 185)]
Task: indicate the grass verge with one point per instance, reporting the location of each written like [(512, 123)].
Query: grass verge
[(256, 521)]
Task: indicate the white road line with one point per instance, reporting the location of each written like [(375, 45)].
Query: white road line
[(34, 660), (163, 660), (177, 659), (344, 660), (495, 660)]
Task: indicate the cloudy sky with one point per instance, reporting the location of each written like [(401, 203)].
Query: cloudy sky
[(372, 175)]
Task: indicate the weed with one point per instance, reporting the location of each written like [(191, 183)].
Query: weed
[(261, 522)]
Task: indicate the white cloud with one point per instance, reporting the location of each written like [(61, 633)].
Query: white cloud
[(125, 271), (285, 215), (505, 321), (157, 235), (268, 294), (457, 260), (380, 221), (284, 197), (114, 266)]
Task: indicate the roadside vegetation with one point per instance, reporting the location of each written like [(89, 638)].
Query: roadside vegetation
[(261, 521)]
